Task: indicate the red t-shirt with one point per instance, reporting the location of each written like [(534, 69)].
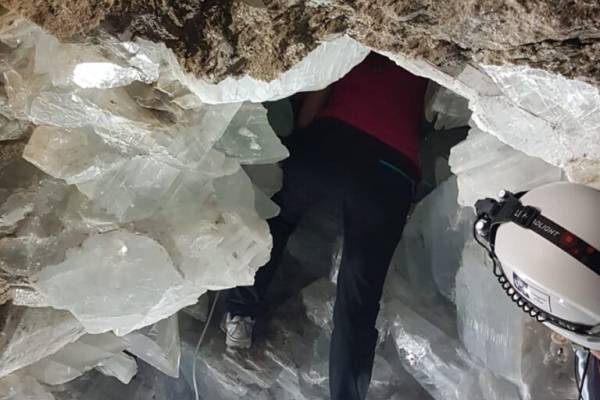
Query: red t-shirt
[(383, 100)]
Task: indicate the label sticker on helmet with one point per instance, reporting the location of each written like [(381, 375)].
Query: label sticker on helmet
[(532, 293)]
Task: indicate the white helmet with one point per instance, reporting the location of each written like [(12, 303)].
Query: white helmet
[(545, 246)]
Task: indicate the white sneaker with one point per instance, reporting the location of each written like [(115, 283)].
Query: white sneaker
[(238, 331)]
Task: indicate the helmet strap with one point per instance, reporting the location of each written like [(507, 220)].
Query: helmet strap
[(492, 213), (510, 209)]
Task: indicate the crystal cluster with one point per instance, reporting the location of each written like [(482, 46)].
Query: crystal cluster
[(543, 115), (431, 346), (484, 166), (129, 188), (139, 201)]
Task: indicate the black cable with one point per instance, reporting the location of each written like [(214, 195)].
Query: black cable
[(489, 250), (528, 308), (522, 303)]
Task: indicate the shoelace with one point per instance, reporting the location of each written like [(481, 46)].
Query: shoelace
[(239, 323)]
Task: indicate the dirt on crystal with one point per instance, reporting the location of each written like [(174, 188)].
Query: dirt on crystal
[(219, 38)]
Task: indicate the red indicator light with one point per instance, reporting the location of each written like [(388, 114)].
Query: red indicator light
[(590, 250), (567, 239)]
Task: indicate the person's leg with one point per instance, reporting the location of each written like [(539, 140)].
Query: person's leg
[(374, 216), (306, 181), (247, 300)]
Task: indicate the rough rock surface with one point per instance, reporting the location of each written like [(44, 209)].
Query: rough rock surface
[(62, 16), (215, 38)]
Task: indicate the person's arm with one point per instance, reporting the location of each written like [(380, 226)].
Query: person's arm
[(312, 103)]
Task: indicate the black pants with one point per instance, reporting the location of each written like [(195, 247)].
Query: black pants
[(374, 185), (591, 386)]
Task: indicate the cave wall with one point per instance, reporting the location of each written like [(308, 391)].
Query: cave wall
[(214, 39)]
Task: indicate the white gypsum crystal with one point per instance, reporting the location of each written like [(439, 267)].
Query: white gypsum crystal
[(250, 139), (76, 358), (430, 248), (439, 363), (484, 166), (158, 345), (32, 334), (539, 113), (493, 332), (267, 180), (503, 337), (133, 189), (103, 75), (20, 386), (445, 109), (74, 155), (116, 281), (134, 165), (548, 116), (121, 366)]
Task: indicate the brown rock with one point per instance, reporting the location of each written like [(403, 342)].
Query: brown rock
[(64, 18), (219, 38)]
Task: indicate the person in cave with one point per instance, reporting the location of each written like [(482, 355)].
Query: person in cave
[(590, 387), (356, 141)]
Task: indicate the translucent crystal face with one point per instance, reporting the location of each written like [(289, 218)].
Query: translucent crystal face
[(159, 193), (485, 165), (152, 186)]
